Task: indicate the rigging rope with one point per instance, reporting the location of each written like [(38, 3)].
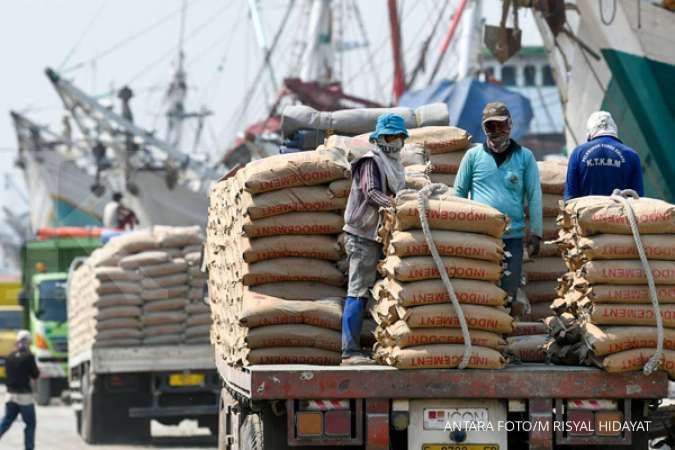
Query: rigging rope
[(601, 11), (422, 199), (626, 197)]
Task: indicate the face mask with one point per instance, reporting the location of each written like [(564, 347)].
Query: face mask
[(498, 138), (391, 149)]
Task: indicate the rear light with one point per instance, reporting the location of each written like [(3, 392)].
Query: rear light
[(400, 420), (309, 423), (338, 423), (580, 423), (608, 423)]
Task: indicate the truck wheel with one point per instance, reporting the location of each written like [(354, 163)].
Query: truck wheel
[(263, 431), (251, 433), (44, 392), (86, 422)]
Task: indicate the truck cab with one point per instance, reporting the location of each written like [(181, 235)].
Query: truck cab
[(11, 322), (48, 322)]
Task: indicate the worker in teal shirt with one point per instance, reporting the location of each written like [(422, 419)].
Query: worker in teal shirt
[(503, 174)]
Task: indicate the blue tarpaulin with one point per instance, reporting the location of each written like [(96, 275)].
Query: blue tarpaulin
[(466, 100)]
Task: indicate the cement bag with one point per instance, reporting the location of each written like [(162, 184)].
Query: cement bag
[(443, 316), (164, 293), (156, 319), (299, 199), (448, 243), (197, 308), (445, 356), (118, 334), (116, 287), (177, 236), (607, 293), (540, 311), (540, 292), (633, 360), (401, 335), (614, 339), (429, 292), (295, 335), (550, 228), (552, 175), (443, 178), (440, 139), (128, 342), (118, 323), (191, 250), (294, 355), (115, 274), (604, 314), (616, 246), (295, 223), (293, 269), (165, 305), (133, 262), (529, 328), (542, 269), (198, 319), (197, 330), (118, 312), (623, 271), (447, 163), (415, 179), (263, 310), (303, 246), (550, 205), (134, 242), (112, 300), (358, 120), (414, 155), (600, 214), (447, 212), (163, 339), (107, 256), (299, 290), (526, 348), (175, 279), (174, 266), (417, 268), (340, 188), (548, 248), (295, 169)]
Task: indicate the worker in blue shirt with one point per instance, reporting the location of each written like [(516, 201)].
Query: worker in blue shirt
[(503, 174), (603, 163)]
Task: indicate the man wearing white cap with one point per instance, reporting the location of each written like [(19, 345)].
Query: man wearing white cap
[(603, 163), (21, 368)]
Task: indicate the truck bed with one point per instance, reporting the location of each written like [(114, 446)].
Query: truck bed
[(522, 381), (150, 358)]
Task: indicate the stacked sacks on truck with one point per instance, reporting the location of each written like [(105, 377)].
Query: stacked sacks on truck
[(198, 311), (112, 294), (272, 249), (417, 323), (604, 299), (542, 272), (446, 146)]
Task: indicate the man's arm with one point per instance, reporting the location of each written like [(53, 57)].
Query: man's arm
[(34, 371), (464, 176), (636, 179), (371, 185), (572, 179), (533, 192)]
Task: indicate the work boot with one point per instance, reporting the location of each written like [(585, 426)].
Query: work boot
[(357, 360)]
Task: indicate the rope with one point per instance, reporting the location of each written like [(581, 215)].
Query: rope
[(422, 199), (601, 11), (626, 197)]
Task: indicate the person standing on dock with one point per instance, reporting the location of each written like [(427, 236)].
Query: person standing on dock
[(503, 174), (376, 178), (603, 163), (118, 216), (21, 368)]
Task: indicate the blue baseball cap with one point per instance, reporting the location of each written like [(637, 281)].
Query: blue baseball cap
[(389, 125)]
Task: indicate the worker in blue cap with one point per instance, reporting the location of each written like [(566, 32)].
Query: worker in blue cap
[(376, 178)]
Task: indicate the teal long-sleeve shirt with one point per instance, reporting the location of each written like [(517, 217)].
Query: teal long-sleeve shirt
[(507, 188)]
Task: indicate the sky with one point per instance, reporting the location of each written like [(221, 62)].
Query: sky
[(102, 45)]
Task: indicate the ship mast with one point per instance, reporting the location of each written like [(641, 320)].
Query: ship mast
[(318, 57)]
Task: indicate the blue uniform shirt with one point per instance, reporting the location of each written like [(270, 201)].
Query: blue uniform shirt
[(602, 165)]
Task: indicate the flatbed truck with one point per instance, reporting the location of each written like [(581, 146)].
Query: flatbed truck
[(115, 392), (527, 406)]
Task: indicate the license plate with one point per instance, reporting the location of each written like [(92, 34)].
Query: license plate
[(186, 379), (460, 447)]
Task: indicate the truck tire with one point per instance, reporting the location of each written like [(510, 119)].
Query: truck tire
[(251, 433), (43, 392), (262, 431)]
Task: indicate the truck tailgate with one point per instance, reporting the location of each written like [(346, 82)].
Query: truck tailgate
[(150, 358)]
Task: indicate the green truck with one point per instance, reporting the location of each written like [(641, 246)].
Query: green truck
[(45, 264)]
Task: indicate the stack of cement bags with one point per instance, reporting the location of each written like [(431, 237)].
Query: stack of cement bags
[(198, 323), (543, 272), (527, 342), (132, 291), (605, 315), (446, 146), (417, 324), (272, 249)]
